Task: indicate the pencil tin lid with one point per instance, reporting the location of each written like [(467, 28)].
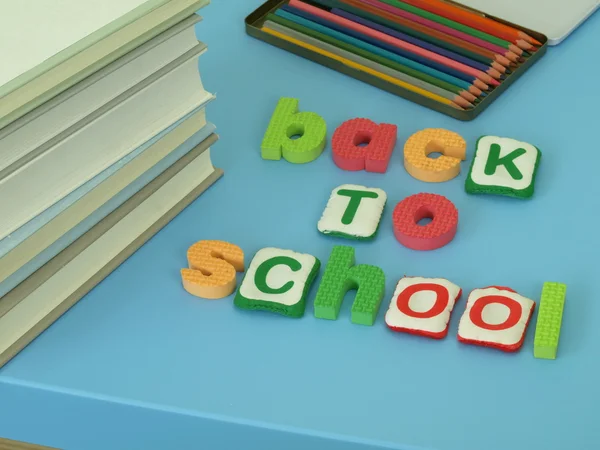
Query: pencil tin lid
[(556, 19)]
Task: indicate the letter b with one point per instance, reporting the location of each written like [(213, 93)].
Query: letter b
[(286, 123)]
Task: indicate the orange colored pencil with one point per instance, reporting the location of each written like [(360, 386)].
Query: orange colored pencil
[(478, 21), (473, 20), (508, 59), (365, 69), (447, 62)]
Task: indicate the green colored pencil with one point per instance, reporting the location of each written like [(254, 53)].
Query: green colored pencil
[(316, 42), (454, 25), (413, 32), (371, 56)]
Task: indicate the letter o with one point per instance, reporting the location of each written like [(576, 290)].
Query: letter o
[(438, 233)]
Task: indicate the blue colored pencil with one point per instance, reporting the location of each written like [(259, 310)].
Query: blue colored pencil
[(391, 48), (412, 40), (374, 49)]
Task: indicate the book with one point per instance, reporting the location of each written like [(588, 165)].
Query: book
[(58, 285), (73, 25), (78, 158), (52, 231), (56, 119), (89, 60)]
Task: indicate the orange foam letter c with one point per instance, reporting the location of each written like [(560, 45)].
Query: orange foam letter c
[(451, 145)]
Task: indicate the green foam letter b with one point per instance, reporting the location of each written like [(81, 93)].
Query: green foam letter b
[(340, 276), (286, 123)]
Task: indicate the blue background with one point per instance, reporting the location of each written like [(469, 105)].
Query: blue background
[(140, 363)]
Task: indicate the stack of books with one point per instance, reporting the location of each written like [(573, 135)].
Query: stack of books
[(103, 140)]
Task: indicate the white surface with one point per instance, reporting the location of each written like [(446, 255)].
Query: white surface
[(367, 216), (278, 276), (420, 302), (495, 314), (44, 28), (41, 302), (76, 107), (48, 178), (554, 18), (525, 163)]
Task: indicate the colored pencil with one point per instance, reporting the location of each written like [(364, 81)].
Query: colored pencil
[(400, 24), (498, 62), (407, 6), (474, 20), (443, 28), (412, 50), (471, 94), (365, 69), (460, 101), (423, 44), (405, 62), (383, 45)]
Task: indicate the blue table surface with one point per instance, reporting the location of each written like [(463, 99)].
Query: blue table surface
[(140, 363)]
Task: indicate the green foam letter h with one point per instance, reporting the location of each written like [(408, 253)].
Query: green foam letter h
[(340, 276)]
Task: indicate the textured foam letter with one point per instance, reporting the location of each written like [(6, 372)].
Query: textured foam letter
[(361, 144), (422, 306), (278, 281), (439, 232), (451, 145), (212, 268), (496, 317), (287, 122), (340, 276)]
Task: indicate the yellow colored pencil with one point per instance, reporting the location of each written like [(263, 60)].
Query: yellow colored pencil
[(362, 68)]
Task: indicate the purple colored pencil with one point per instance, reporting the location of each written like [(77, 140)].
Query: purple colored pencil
[(410, 39), (436, 26)]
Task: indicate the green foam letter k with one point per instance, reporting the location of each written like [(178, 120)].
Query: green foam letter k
[(286, 123)]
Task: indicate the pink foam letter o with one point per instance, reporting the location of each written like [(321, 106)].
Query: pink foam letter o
[(439, 232)]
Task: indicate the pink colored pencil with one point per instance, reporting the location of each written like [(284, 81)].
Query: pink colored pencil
[(395, 42), (436, 26)]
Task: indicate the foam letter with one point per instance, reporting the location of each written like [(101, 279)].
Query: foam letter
[(547, 329), (212, 268), (286, 123), (340, 276), (353, 212), (451, 145), (278, 281), (361, 144), (422, 306), (503, 166), (439, 232), (496, 317)]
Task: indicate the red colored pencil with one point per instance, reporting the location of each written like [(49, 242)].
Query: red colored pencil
[(474, 20), (507, 58), (395, 42)]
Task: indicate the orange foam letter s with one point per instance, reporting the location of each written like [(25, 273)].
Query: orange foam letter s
[(212, 268)]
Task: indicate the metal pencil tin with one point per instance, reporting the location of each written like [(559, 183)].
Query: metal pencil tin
[(255, 20)]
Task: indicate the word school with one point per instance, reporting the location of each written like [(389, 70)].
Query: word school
[(278, 280)]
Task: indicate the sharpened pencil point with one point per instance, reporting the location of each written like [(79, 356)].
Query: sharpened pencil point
[(516, 50)]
